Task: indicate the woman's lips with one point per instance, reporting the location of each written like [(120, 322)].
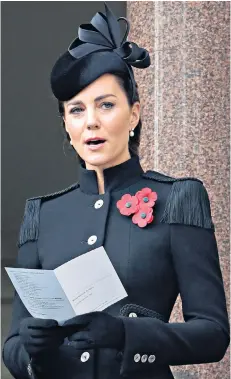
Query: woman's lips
[(95, 147)]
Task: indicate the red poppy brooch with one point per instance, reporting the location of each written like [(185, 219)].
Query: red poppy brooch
[(139, 205)]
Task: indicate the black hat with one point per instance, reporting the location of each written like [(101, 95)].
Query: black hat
[(98, 49)]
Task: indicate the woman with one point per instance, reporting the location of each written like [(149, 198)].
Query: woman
[(157, 231)]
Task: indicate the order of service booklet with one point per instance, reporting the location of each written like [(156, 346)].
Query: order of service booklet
[(84, 284)]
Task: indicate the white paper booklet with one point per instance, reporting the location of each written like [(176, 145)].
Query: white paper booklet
[(85, 284)]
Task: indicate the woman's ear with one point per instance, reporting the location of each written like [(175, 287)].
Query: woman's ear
[(65, 127), (135, 114), (64, 123)]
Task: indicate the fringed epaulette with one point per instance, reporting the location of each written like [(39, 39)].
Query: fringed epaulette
[(29, 229), (160, 177), (187, 203)]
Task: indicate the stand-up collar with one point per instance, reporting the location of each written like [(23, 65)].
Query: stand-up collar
[(115, 178)]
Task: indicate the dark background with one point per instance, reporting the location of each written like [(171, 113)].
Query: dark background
[(34, 160)]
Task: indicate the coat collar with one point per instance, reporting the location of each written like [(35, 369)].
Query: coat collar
[(115, 178)]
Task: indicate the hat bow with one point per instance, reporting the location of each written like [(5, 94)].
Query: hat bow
[(103, 33)]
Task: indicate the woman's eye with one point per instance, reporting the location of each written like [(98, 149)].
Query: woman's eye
[(107, 105), (76, 110)]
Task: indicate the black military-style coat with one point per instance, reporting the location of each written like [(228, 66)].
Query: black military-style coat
[(175, 253)]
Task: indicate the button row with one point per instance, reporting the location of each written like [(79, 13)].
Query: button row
[(137, 358), (92, 239), (144, 358)]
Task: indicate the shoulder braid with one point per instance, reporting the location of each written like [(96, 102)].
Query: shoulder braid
[(187, 203), (29, 230)]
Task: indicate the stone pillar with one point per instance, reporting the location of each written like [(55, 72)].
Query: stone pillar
[(185, 100)]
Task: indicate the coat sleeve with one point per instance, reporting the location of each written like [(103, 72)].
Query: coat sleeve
[(14, 355), (204, 336), (61, 363)]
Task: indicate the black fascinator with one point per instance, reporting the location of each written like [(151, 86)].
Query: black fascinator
[(98, 49)]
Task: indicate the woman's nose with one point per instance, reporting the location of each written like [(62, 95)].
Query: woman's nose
[(91, 120)]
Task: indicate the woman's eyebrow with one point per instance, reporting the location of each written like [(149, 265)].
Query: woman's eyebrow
[(98, 98), (103, 96)]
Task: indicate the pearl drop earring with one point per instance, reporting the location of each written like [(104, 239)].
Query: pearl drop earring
[(131, 133), (71, 143)]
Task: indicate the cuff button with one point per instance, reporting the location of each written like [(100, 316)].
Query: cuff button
[(137, 358), (144, 358), (151, 358), (29, 369)]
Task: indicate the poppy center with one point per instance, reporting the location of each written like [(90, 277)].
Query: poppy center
[(143, 215), (128, 205), (146, 199)]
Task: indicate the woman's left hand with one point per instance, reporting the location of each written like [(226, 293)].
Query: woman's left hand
[(98, 329)]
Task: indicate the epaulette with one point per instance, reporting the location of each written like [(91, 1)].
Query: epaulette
[(29, 229), (187, 203)]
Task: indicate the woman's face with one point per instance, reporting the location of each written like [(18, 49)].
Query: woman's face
[(101, 110)]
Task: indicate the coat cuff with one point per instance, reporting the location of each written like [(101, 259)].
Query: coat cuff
[(138, 355)]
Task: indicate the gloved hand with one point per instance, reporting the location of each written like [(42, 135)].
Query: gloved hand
[(98, 329), (39, 336)]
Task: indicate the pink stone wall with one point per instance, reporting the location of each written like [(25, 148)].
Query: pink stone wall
[(185, 112)]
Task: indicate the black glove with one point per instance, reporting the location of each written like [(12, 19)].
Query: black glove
[(98, 329), (40, 336)]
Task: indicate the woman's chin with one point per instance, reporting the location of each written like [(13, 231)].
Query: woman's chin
[(97, 159)]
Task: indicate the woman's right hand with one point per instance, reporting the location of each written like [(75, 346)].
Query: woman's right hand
[(39, 336)]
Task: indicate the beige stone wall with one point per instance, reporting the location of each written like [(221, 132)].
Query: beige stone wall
[(185, 100)]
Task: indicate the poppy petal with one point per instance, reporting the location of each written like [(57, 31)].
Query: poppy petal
[(142, 223), (126, 197)]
